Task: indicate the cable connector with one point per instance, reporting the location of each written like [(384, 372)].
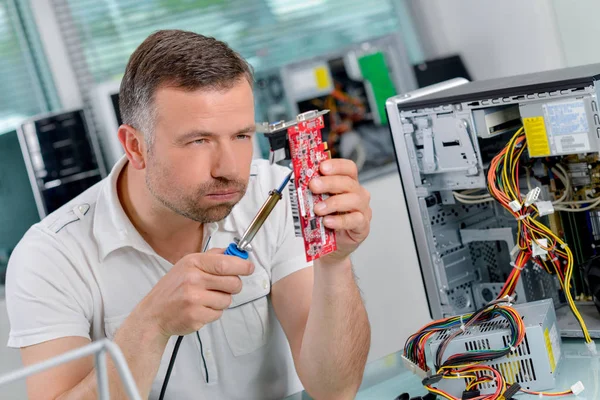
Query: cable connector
[(508, 298), (577, 388), (538, 247), (591, 347), (514, 252), (515, 205), (532, 196), (511, 391), (415, 369), (512, 264), (544, 207), (431, 380), (470, 394)]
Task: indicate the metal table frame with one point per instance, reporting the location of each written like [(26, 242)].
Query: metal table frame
[(99, 349)]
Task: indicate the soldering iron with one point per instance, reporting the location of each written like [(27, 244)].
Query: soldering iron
[(240, 247)]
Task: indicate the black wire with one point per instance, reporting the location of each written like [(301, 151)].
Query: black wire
[(176, 349), (202, 354), (170, 369)]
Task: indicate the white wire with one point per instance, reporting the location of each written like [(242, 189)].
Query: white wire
[(566, 182), (465, 201), (579, 202), (564, 177), (467, 197), (469, 191), (471, 197), (588, 208)]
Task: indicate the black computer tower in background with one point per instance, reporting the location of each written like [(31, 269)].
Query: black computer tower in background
[(62, 157), (438, 70)]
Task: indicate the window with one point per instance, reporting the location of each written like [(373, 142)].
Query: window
[(101, 34), (24, 90)]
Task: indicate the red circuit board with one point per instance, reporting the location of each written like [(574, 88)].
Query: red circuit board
[(308, 150)]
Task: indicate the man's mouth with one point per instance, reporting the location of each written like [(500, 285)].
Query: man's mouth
[(223, 195)]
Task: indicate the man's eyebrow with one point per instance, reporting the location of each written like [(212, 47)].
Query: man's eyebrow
[(248, 129), (196, 134)]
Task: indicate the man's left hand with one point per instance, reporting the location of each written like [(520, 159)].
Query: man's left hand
[(347, 210)]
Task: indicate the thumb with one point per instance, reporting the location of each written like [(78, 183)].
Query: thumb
[(215, 250)]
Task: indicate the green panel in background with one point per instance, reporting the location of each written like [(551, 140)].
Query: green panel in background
[(17, 205), (374, 70)]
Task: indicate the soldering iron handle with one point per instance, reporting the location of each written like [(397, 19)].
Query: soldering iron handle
[(233, 250)]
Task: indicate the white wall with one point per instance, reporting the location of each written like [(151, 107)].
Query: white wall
[(579, 31), (496, 38), (9, 360), (388, 270)]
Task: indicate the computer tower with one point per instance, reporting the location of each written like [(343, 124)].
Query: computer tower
[(62, 157)]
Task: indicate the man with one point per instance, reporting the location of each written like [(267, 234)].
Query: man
[(125, 259)]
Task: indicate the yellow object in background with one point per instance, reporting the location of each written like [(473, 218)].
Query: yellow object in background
[(322, 77), (537, 138), (549, 349)]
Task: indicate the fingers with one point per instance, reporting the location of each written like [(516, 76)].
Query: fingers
[(216, 300), (341, 203), (215, 250), (339, 166), (333, 184), (226, 284), (222, 265), (351, 221)]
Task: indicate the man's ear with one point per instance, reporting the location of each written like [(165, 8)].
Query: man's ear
[(134, 145)]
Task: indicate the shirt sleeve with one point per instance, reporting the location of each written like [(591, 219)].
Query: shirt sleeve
[(46, 297), (289, 255)]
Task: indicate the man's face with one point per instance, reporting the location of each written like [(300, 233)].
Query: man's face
[(199, 163)]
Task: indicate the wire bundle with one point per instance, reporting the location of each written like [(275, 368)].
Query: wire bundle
[(516, 325), (414, 348), (474, 375), (557, 258), (468, 366)]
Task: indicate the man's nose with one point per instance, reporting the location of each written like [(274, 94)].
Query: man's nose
[(224, 162)]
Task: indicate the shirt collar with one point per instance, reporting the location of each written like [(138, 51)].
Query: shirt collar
[(113, 229)]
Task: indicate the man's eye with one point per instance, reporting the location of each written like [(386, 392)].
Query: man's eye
[(242, 137), (200, 141)]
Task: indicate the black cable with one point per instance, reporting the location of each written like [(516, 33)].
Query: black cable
[(170, 369), (176, 349), (202, 354)]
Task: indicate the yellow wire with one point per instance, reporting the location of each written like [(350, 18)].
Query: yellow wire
[(508, 181), (568, 275), (504, 164), (505, 178)]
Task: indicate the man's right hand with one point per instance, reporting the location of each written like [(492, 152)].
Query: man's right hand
[(193, 293)]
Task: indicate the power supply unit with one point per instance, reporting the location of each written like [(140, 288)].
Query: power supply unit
[(532, 364)]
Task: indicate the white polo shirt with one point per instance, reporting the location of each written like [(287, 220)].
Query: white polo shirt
[(83, 269)]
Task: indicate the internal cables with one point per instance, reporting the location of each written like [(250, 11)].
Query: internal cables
[(414, 349), (534, 240), (468, 366)]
